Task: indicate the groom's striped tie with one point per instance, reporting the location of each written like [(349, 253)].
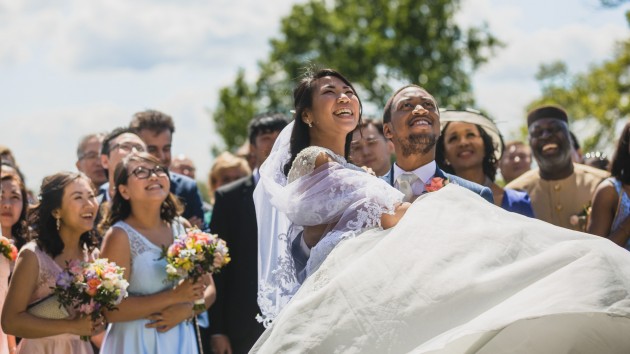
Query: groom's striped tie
[(405, 181)]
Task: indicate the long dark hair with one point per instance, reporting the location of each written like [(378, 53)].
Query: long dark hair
[(303, 100), (42, 221), (620, 168), (19, 230), (489, 163), (120, 208)]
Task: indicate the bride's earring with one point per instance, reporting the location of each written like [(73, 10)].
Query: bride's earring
[(58, 223), (447, 162), (310, 124)]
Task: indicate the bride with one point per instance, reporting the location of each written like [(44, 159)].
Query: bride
[(449, 273)]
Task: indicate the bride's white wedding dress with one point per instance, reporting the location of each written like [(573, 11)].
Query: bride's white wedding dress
[(460, 275)]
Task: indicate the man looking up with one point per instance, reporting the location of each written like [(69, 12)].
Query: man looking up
[(411, 120), (116, 145), (89, 158)]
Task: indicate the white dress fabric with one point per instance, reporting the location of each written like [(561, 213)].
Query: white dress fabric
[(460, 275), (337, 194)]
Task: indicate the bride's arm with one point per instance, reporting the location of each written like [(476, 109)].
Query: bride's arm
[(390, 220)]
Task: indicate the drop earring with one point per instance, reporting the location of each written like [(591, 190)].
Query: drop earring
[(58, 223), (310, 124)]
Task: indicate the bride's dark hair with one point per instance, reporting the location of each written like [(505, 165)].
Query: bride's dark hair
[(303, 100)]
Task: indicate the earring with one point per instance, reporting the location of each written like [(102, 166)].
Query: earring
[(58, 223), (447, 162), (310, 124)]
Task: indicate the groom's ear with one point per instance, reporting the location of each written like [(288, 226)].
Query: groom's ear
[(387, 130)]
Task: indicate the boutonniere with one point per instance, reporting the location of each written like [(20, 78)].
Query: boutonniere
[(580, 219), (435, 184)]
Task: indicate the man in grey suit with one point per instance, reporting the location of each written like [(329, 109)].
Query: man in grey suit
[(411, 120)]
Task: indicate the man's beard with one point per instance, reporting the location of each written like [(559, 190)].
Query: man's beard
[(417, 144)]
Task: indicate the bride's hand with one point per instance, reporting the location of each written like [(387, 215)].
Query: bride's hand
[(391, 220)]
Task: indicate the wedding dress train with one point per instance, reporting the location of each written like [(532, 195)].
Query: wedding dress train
[(459, 275)]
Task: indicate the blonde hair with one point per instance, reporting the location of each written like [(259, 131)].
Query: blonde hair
[(223, 162)]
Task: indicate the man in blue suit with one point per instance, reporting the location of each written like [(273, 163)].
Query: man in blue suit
[(411, 120)]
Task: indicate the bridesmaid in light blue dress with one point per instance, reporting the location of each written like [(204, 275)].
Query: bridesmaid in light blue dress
[(154, 318)]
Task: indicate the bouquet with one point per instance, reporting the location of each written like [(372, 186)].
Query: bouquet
[(194, 254), (8, 249), (91, 287)]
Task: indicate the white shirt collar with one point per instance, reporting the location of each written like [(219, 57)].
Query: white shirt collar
[(425, 172)]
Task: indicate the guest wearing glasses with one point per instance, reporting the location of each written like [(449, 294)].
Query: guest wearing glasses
[(116, 145), (89, 160), (144, 220)]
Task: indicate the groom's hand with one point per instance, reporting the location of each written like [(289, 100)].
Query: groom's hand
[(220, 344)]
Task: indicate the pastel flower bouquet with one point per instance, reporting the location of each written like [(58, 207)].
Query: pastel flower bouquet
[(194, 254), (91, 287), (8, 249)]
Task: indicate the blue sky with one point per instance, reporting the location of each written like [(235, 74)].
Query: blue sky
[(72, 67)]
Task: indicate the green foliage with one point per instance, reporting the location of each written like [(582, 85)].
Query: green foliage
[(601, 94), (237, 105), (376, 44)]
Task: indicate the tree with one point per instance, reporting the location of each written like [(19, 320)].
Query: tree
[(375, 44), (236, 107), (600, 95)]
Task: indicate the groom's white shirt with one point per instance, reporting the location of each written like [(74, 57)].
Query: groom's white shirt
[(424, 173)]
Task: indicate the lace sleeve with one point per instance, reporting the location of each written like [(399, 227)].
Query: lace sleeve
[(304, 162)]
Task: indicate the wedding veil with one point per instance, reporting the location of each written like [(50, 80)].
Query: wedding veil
[(277, 281)]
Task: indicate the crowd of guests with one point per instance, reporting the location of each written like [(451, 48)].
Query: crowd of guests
[(130, 197)]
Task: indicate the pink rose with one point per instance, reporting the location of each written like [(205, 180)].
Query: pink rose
[(435, 184)]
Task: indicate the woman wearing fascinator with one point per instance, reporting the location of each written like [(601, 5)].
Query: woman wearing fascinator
[(63, 223), (345, 267), (470, 147)]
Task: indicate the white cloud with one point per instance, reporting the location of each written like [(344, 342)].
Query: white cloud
[(100, 34)]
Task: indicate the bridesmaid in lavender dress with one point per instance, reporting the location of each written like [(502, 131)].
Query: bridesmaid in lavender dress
[(63, 222)]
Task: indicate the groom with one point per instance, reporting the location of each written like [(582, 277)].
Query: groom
[(411, 120)]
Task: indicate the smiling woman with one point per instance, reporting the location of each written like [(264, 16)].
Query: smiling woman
[(470, 147), (63, 223), (144, 220)]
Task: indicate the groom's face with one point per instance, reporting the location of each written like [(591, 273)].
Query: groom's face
[(415, 122)]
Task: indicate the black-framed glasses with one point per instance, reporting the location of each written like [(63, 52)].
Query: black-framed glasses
[(144, 173), (128, 147)]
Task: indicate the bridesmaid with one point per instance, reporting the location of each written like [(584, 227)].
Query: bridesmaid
[(610, 216), (144, 220), (63, 224), (13, 208)]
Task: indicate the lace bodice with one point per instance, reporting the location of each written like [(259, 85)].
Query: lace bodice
[(304, 162), (148, 268)]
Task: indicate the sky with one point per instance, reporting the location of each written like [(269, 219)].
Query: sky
[(72, 67)]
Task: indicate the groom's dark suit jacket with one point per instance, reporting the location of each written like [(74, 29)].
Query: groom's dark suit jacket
[(234, 311), (484, 192)]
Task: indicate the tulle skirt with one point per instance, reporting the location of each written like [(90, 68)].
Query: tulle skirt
[(459, 275)]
